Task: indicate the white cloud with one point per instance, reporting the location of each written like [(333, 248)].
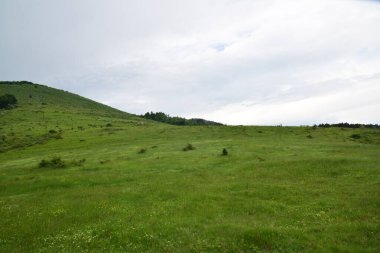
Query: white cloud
[(285, 59), (357, 104)]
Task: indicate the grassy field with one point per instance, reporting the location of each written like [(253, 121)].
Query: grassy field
[(280, 189)]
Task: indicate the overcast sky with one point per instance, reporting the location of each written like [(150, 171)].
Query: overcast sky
[(233, 61)]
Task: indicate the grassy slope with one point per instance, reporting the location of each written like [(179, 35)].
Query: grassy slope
[(277, 191)]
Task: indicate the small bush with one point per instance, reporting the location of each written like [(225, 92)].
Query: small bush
[(55, 162), (7, 101), (109, 125), (355, 136), (142, 151), (43, 164), (78, 162), (54, 134), (309, 136), (188, 147), (58, 136), (224, 152)]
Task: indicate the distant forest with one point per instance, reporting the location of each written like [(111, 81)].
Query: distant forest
[(348, 125), (165, 118)]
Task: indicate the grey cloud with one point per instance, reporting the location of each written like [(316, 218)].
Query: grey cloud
[(198, 58)]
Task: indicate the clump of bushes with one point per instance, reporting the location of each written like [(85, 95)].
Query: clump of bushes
[(309, 136), (224, 152), (355, 136), (54, 134), (109, 125), (7, 101), (55, 162), (104, 161), (188, 147), (261, 159), (142, 151), (78, 162)]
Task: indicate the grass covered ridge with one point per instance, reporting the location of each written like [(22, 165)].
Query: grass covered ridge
[(279, 189)]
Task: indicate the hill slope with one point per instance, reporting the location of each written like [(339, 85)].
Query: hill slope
[(45, 113), (124, 184), (38, 97)]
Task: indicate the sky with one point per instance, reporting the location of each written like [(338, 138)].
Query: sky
[(239, 62)]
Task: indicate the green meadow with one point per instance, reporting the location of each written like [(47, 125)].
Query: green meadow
[(124, 184)]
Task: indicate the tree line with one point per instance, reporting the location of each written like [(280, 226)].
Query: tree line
[(179, 121), (348, 125)]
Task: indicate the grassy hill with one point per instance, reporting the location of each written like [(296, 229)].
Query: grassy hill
[(124, 184), (42, 111)]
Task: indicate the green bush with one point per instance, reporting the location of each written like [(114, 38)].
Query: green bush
[(7, 101), (355, 136), (224, 152), (142, 151), (78, 162), (188, 147), (55, 162)]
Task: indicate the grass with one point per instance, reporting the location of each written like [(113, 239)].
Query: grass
[(278, 190)]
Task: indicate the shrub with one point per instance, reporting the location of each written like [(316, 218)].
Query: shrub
[(355, 136), (54, 134), (7, 101), (78, 162), (309, 136), (224, 152), (109, 125), (142, 151), (188, 147), (55, 162), (58, 136), (43, 164)]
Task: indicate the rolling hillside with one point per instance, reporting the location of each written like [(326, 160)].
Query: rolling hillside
[(79, 176), (45, 113)]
